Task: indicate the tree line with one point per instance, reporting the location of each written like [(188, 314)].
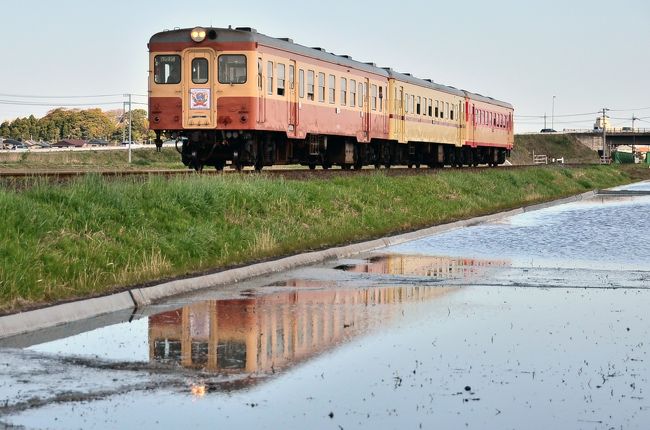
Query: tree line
[(85, 124)]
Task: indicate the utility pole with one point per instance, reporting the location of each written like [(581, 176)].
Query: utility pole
[(634, 118), (553, 114), (604, 136), (124, 121), (130, 118)]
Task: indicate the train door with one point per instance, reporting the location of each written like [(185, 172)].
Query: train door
[(400, 116), (261, 95), (472, 120), (293, 98), (198, 88), (366, 110)]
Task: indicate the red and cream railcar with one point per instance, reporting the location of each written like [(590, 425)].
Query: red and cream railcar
[(234, 95)]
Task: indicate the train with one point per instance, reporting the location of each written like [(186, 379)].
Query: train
[(236, 97)]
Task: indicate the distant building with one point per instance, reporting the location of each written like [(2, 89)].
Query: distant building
[(70, 143)]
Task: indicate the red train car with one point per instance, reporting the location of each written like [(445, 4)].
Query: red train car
[(237, 96)]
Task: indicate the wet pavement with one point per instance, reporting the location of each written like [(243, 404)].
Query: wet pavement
[(534, 322)]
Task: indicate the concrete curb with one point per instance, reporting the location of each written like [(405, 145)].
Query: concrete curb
[(39, 319)]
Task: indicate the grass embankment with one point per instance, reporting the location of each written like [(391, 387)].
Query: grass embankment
[(91, 236), (553, 146), (142, 158)]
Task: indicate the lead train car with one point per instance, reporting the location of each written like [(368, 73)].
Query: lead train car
[(238, 96)]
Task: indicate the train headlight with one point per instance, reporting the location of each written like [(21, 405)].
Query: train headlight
[(198, 34)]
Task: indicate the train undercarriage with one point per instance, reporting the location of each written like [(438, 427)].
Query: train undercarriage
[(199, 149)]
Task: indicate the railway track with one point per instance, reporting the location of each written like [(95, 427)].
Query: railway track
[(296, 173)]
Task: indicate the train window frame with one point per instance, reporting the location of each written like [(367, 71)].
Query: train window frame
[(200, 70), (344, 91), (311, 93), (381, 98), (281, 73), (221, 66), (418, 105), (451, 112), (373, 95), (321, 87), (162, 75), (301, 83), (361, 94), (292, 76), (269, 78), (331, 89), (260, 69), (353, 92), (430, 107)]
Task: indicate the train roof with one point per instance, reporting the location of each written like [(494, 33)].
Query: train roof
[(247, 34)]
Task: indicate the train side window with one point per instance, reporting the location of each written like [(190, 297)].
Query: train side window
[(430, 107), (373, 89), (259, 73), (406, 103), (424, 107), (200, 70), (301, 83), (353, 92), (361, 94), (292, 76), (418, 109), (331, 88), (344, 91), (437, 108), (232, 69), (167, 69), (447, 110), (281, 75), (412, 103), (381, 99), (269, 77), (321, 87), (451, 112), (310, 85)]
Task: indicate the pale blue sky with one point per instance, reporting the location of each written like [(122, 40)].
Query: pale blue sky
[(589, 54)]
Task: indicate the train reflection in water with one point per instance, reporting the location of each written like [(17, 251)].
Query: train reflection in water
[(265, 333), (431, 267)]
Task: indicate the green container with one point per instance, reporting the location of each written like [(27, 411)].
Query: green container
[(623, 157), (647, 158)]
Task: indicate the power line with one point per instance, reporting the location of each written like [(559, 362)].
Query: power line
[(22, 103), (30, 96)]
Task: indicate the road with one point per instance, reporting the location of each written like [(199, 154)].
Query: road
[(537, 321)]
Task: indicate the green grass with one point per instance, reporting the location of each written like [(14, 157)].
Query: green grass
[(146, 158), (553, 146), (92, 236)]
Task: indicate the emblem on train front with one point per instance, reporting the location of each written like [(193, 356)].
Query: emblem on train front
[(199, 98)]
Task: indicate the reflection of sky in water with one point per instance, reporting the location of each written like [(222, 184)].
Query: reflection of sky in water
[(607, 233), (118, 342)]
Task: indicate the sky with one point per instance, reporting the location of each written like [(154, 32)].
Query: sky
[(557, 57)]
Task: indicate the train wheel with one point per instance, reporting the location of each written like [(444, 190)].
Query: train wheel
[(312, 166), (238, 166), (219, 166), (410, 165)]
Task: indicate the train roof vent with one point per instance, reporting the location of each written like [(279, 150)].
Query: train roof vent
[(248, 29), (388, 69), (318, 48), (453, 88), (372, 64), (286, 39), (429, 80), (346, 56), (408, 74)]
